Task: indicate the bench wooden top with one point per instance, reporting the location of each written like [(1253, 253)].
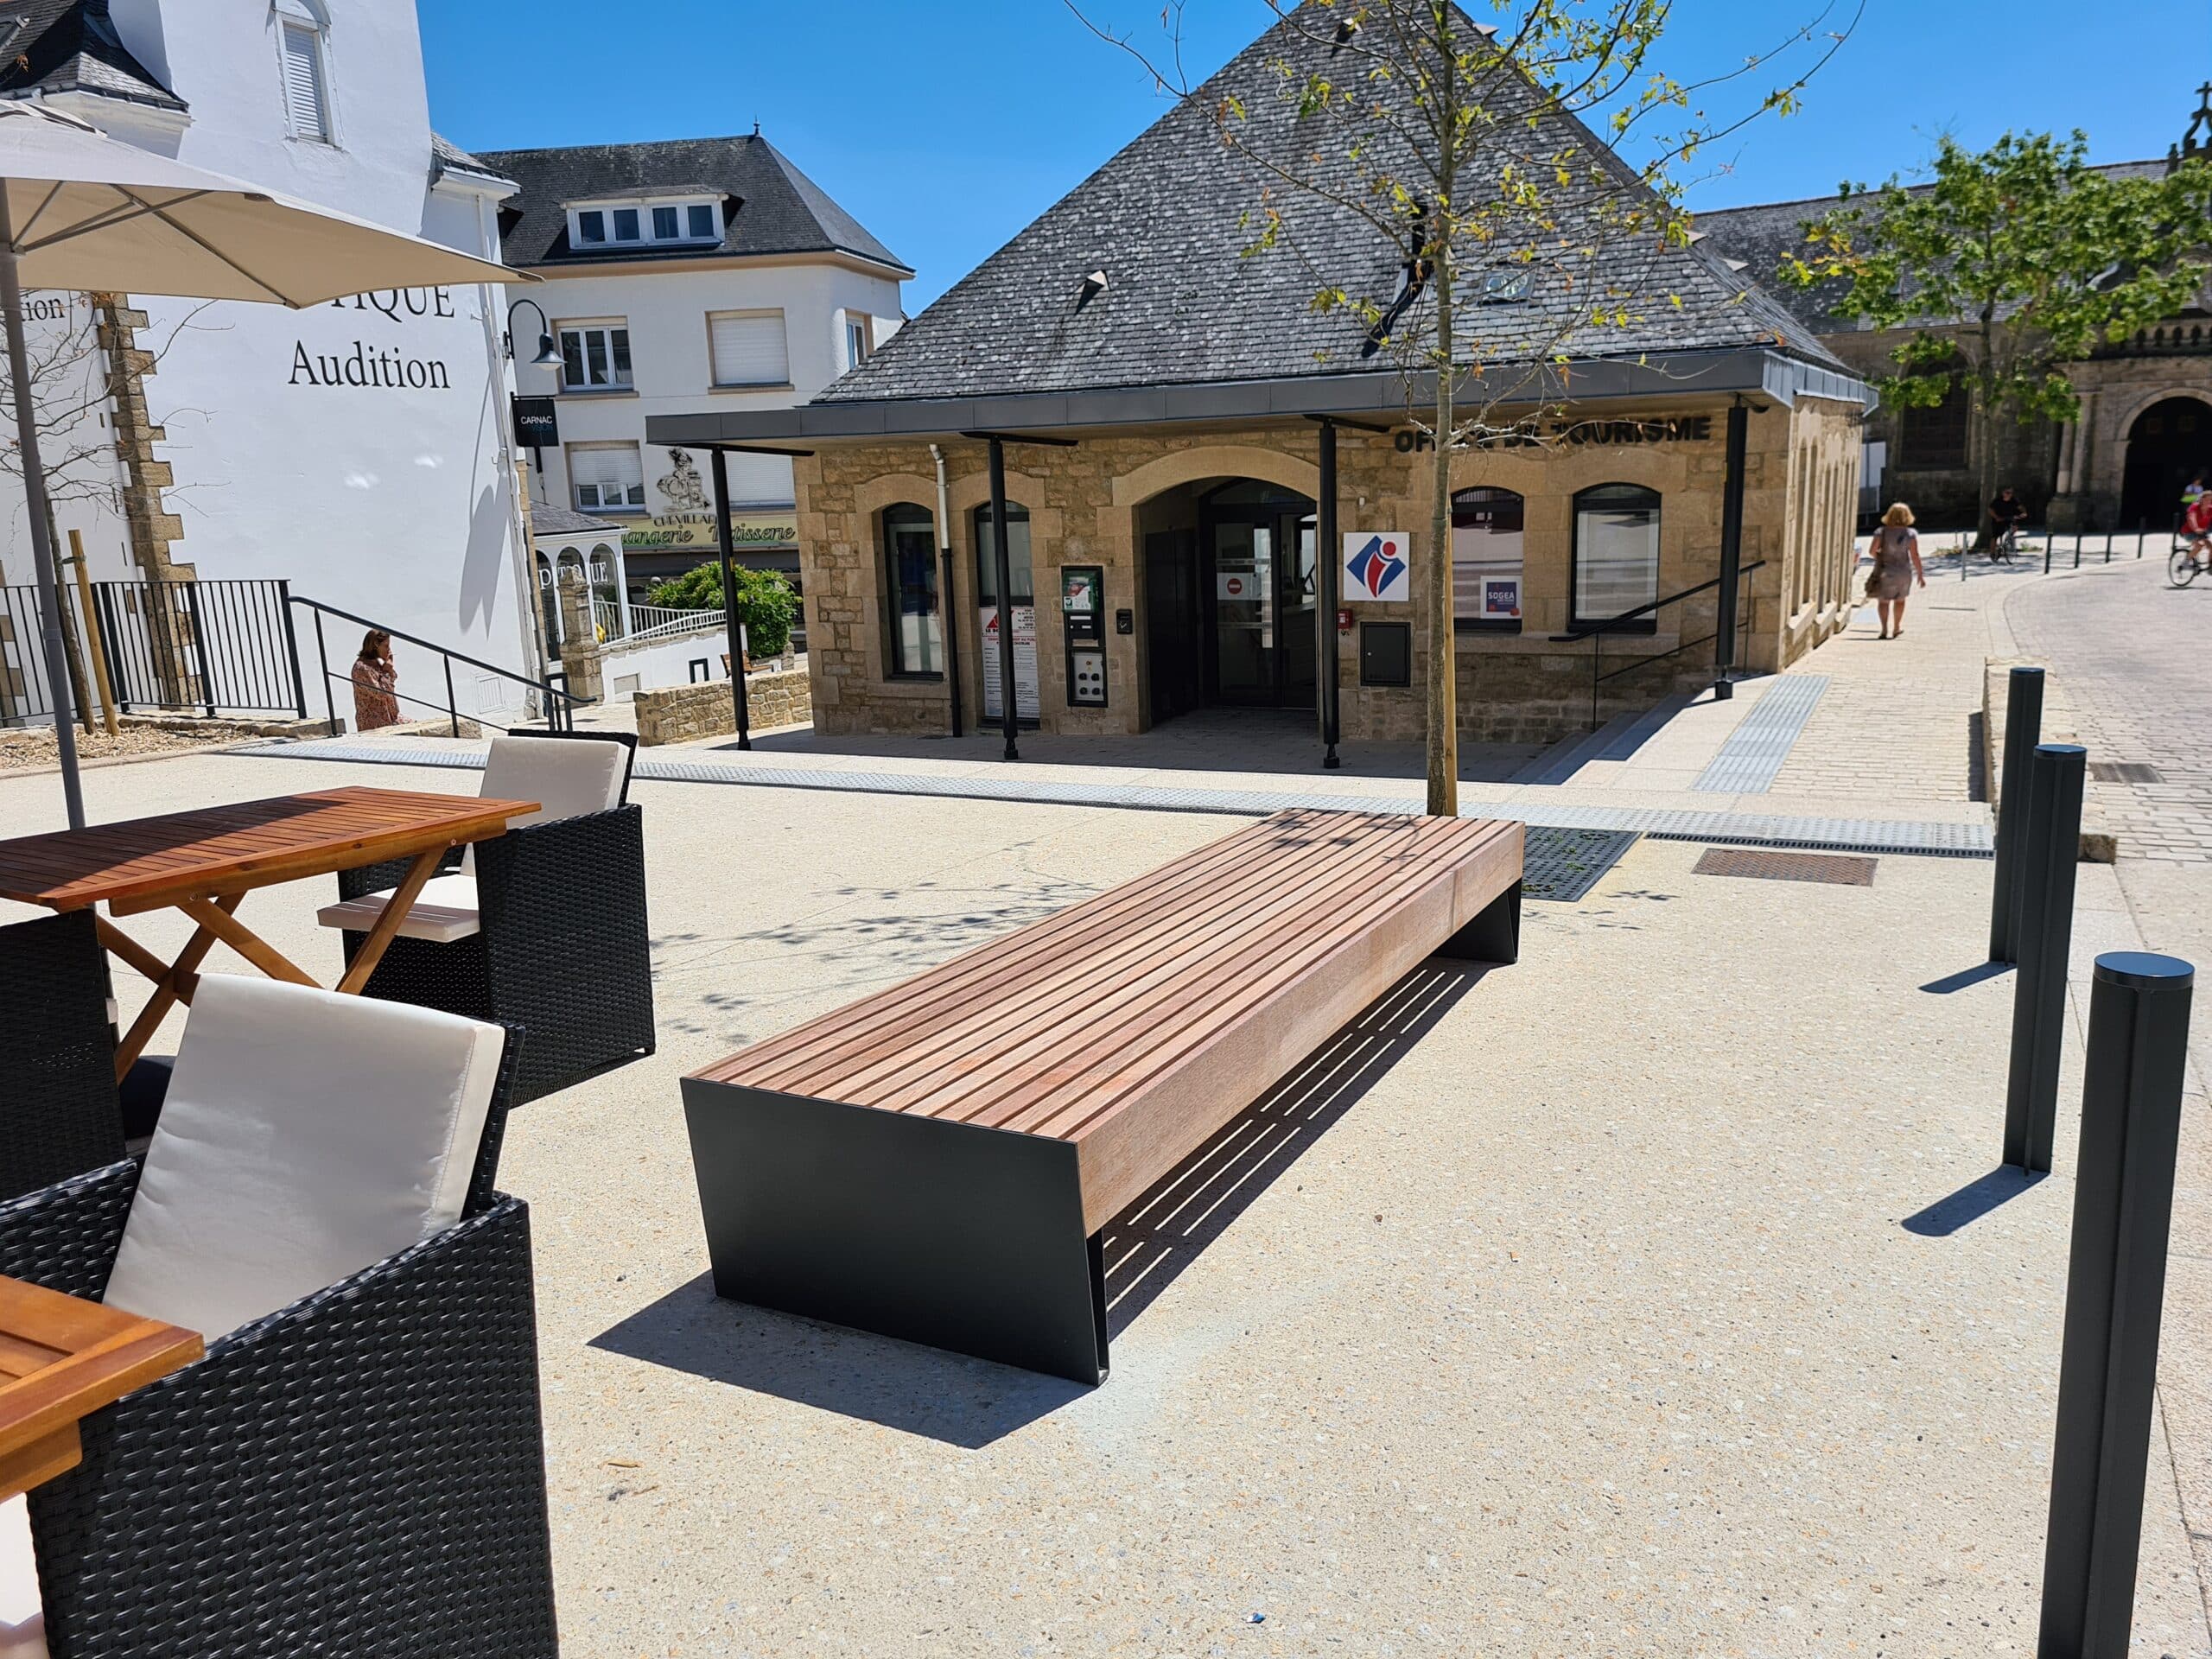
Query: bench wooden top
[(1054, 1029), (146, 862), (62, 1358)]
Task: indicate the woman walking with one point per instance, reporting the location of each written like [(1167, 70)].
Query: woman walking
[(374, 681), (1896, 567)]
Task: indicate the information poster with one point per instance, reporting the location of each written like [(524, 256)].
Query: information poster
[(1024, 664)]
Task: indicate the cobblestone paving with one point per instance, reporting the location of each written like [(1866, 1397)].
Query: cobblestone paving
[(2131, 653)]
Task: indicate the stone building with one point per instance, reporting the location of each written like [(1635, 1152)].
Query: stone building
[(2145, 420), (1165, 402)]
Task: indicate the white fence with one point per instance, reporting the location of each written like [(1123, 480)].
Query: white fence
[(650, 621)]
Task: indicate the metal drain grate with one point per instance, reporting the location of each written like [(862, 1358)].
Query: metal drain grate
[(2125, 772), (1565, 864), (1833, 868)]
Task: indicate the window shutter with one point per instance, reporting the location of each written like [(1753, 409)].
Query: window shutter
[(759, 480), (749, 350), (303, 98), (615, 468)]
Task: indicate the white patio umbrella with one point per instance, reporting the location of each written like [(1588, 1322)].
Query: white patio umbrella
[(80, 210)]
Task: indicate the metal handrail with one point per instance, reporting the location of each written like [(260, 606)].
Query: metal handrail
[(560, 703), (1594, 631)]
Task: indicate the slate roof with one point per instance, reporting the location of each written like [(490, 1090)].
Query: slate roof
[(447, 157), (547, 519), (778, 208), (1759, 235), (71, 46), (1169, 220)]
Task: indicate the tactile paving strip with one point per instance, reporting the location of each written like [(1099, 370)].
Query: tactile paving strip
[(1934, 838), (1754, 753), (1833, 869)]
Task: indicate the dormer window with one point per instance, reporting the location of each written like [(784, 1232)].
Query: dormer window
[(648, 223)]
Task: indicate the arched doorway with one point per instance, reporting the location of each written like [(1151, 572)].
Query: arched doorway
[(2169, 443), (1230, 586)]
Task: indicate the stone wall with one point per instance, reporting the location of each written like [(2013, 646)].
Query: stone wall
[(1088, 506), (680, 714)]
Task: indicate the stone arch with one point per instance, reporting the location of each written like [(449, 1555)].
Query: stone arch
[(1134, 488)]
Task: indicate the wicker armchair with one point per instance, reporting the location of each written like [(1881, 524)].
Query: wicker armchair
[(59, 1115), (360, 1472), (559, 943)]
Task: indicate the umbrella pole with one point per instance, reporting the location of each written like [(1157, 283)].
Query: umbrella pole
[(49, 599)]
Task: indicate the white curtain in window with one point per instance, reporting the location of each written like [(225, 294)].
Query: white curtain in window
[(749, 349), (1616, 551), (303, 97)]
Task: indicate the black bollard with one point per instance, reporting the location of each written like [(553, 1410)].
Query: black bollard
[(2043, 933), (2115, 1284), (2022, 731)]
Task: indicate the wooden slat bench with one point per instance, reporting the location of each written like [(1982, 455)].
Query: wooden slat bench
[(937, 1161)]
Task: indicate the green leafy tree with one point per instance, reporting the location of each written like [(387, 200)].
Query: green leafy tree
[(1520, 244), (766, 604), (2010, 264)]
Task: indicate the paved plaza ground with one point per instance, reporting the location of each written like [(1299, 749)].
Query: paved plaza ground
[(1656, 1295)]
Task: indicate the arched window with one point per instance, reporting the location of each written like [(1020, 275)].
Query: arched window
[(1934, 438), (1616, 552), (1486, 525), (916, 632)]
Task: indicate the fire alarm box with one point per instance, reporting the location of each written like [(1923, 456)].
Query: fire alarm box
[(1082, 621), (1343, 619)]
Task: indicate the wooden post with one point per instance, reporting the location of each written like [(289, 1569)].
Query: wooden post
[(92, 635)]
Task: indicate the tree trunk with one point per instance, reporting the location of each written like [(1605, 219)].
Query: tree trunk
[(1986, 417)]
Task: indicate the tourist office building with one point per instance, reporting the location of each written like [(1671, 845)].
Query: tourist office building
[(1213, 501)]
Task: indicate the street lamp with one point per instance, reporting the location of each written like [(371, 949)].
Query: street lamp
[(549, 354)]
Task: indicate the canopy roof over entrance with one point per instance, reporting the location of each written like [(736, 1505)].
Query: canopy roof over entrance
[(1139, 298)]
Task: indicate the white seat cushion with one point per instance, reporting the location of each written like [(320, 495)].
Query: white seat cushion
[(306, 1135), (22, 1626), (444, 911), (567, 777)]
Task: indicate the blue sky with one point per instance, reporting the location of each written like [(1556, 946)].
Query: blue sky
[(946, 125)]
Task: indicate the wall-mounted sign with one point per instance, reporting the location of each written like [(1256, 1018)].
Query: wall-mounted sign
[(537, 426), (1375, 568), (1668, 429), (694, 532)]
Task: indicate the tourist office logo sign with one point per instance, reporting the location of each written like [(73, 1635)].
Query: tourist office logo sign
[(1375, 567)]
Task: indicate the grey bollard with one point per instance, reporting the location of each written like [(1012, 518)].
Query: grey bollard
[(2022, 730), (2043, 935), (2115, 1284)]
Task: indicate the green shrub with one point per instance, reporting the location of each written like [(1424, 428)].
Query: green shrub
[(766, 603)]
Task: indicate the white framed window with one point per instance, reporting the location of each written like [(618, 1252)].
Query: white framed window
[(307, 81), (645, 222), (594, 356), (606, 477), (857, 339), (748, 348)]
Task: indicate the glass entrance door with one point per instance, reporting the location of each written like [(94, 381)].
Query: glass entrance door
[(1243, 611)]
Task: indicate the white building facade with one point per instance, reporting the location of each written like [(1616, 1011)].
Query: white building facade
[(681, 277), (361, 450)]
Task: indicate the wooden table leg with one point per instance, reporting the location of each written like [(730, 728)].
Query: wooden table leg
[(133, 954), (244, 940), (387, 926), (172, 986)]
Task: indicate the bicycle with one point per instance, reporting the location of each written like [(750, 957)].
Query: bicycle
[(2185, 562), (2005, 544)]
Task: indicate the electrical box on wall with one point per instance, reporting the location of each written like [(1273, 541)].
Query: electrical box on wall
[(1386, 653), (1083, 619)]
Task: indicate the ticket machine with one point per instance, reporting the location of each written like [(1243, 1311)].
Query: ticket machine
[(1082, 618)]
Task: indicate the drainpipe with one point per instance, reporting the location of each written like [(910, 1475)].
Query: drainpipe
[(944, 590)]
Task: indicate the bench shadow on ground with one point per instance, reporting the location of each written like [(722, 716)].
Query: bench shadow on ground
[(971, 1402)]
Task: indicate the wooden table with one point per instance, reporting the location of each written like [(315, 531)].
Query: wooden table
[(62, 1358), (204, 863)]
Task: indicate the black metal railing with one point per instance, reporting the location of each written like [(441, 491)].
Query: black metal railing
[(209, 648), (558, 705), (1627, 622)]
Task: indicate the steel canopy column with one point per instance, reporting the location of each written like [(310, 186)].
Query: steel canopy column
[(728, 547), (1325, 560), (1003, 563), (1731, 554)]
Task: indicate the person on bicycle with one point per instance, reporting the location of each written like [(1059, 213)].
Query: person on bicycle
[(2007, 514), (2196, 528)]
